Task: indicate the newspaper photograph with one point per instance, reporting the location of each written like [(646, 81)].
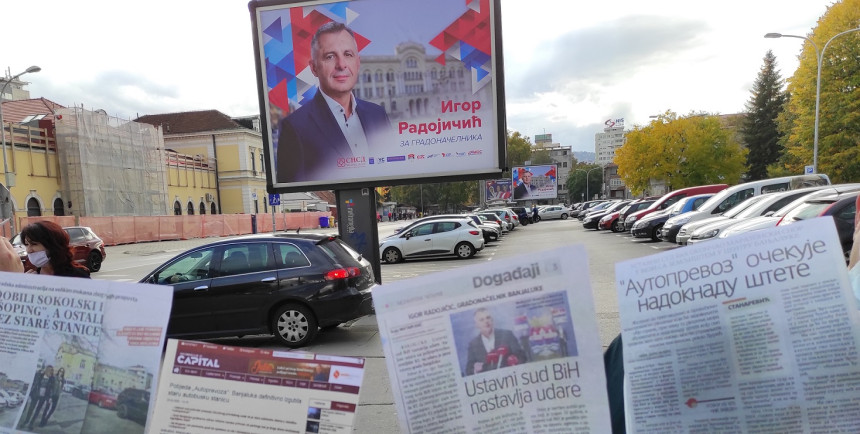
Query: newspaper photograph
[(507, 346), (218, 388), (748, 334), (79, 355)]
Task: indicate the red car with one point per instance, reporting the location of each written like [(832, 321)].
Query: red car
[(103, 399), (87, 248)]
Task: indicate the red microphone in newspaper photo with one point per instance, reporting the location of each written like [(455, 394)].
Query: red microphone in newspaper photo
[(493, 348)]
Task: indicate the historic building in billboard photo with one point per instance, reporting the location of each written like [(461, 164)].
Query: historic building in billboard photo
[(411, 83)]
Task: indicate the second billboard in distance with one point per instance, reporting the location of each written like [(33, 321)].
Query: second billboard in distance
[(535, 182)]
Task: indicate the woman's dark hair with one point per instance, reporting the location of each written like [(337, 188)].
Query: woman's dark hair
[(56, 243)]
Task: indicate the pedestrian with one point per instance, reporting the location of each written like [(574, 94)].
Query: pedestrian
[(48, 250), (9, 259), (59, 382), (40, 392), (535, 217)]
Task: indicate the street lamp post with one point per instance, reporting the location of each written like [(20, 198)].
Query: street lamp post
[(820, 56), (586, 178), (3, 136)]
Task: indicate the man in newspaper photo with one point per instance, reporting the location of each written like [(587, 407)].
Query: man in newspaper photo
[(493, 348)]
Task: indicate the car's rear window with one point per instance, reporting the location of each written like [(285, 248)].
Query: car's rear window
[(339, 251)]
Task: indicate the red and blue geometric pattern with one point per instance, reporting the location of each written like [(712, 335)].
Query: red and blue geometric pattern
[(288, 50), (468, 39)]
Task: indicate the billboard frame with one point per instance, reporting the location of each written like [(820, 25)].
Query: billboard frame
[(489, 169)]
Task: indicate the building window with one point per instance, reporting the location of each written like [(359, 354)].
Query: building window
[(378, 76), (177, 208), (564, 164), (202, 208), (366, 77), (389, 76), (33, 208), (212, 208), (411, 62), (393, 105), (262, 165), (58, 207), (190, 208)]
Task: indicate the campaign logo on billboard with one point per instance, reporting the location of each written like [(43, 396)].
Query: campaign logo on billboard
[(411, 156), (446, 154), (396, 158), (476, 152), (371, 160), (610, 123)]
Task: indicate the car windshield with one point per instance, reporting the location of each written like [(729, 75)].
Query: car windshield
[(808, 210)]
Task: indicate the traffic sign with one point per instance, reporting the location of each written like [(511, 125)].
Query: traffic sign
[(809, 170), (274, 199)]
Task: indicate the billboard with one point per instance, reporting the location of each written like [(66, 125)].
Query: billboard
[(534, 182), (378, 92), (499, 189)]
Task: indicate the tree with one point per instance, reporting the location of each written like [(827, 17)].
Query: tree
[(839, 108), (576, 181), (759, 128), (519, 150), (681, 152)]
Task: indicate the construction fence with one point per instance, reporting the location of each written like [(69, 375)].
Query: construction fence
[(128, 230)]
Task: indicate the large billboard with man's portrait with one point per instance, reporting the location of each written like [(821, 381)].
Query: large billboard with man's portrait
[(534, 182), (379, 92)]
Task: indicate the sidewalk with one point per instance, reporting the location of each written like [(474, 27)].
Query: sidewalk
[(177, 246)]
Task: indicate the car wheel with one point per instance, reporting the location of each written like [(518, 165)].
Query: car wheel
[(122, 411), (616, 227), (564, 216), (392, 256), (94, 262), (294, 325), (655, 235), (464, 250)]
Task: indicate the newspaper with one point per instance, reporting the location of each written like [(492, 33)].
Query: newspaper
[(73, 353), (507, 346), (217, 388), (758, 333)]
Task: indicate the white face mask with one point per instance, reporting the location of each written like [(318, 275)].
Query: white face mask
[(38, 259)]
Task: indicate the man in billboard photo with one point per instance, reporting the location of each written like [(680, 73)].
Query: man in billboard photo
[(334, 125), (524, 189), (493, 348)]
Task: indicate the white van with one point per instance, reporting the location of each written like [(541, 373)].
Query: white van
[(728, 198)]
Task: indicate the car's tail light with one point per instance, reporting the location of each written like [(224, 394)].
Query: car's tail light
[(515, 217), (343, 273), (474, 232)]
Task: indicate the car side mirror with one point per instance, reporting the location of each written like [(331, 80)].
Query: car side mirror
[(408, 235)]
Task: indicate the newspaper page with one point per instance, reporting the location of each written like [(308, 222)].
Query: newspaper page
[(217, 388), (508, 346), (748, 334), (78, 355)]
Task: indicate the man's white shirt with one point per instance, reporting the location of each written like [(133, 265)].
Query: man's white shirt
[(350, 127)]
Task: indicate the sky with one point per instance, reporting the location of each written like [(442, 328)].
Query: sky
[(569, 65)]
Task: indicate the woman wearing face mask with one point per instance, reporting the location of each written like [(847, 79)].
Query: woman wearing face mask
[(48, 250)]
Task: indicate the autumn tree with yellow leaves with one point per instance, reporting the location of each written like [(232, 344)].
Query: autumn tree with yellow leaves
[(681, 152), (839, 109)]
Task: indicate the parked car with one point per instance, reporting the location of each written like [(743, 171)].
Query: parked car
[(508, 215), (707, 229), (613, 221), (133, 404), (592, 219), (9, 399), (650, 225), (81, 391), (490, 232), (668, 200), (493, 217), (728, 198), (523, 214), (288, 285), (594, 208), (87, 248), (102, 398), (459, 237), (842, 207), (553, 212), (584, 206), (770, 220)]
